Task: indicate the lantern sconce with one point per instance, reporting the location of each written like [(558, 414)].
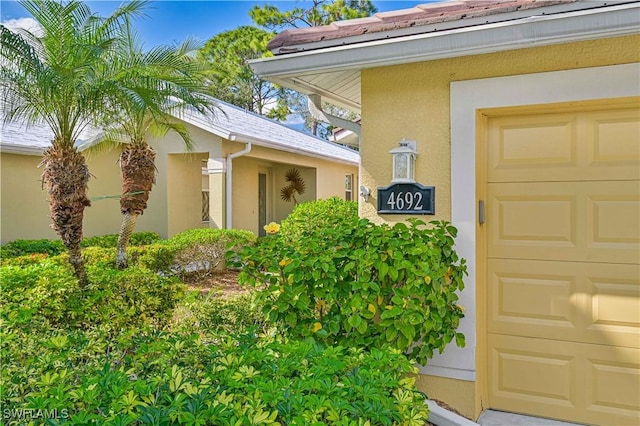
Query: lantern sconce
[(365, 192), (404, 161)]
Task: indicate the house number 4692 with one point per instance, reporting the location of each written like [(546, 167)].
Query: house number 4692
[(405, 201), (406, 198)]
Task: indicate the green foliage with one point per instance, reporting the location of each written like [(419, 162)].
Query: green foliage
[(362, 284), (26, 247), (111, 240), (156, 257), (322, 12), (116, 300), (216, 314), (130, 349), (227, 57), (161, 378), (55, 247), (307, 217)]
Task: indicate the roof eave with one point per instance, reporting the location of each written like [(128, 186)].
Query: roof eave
[(238, 137), (21, 149), (533, 31), (242, 138)]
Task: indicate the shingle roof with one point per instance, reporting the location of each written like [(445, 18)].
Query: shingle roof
[(244, 126), (233, 124), (35, 138), (457, 12)]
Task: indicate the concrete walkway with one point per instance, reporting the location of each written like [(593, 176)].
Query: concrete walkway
[(501, 418)]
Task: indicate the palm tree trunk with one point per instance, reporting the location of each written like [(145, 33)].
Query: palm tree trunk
[(138, 171), (66, 177), (126, 229)]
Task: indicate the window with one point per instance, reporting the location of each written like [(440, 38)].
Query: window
[(348, 187), (205, 206)]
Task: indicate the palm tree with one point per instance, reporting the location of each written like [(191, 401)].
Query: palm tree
[(148, 90), (49, 76)]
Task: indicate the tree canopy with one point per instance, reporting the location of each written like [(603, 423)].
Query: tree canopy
[(321, 12), (232, 79), (228, 55)]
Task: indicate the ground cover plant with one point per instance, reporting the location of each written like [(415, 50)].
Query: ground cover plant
[(137, 347)]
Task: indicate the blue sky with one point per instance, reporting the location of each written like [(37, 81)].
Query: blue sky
[(173, 21)]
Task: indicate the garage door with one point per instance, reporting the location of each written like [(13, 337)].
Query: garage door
[(563, 264)]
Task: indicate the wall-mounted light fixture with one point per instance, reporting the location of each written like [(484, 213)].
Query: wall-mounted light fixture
[(365, 192), (404, 161)]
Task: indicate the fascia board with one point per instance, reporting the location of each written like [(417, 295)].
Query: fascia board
[(21, 149), (525, 33), (239, 137), (267, 144)]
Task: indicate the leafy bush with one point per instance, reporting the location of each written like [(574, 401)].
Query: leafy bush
[(155, 257), (54, 247), (111, 240), (26, 247), (199, 251), (307, 217), (49, 293), (160, 378), (357, 283)]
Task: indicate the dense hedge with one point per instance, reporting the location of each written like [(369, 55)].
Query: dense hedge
[(54, 247)]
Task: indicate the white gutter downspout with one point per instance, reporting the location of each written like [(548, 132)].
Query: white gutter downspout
[(315, 108), (229, 180)]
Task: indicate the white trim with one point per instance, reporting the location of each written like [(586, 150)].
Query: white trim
[(466, 98)]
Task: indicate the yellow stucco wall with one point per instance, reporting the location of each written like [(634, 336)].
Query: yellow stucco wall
[(24, 207), (412, 101), (175, 200), (323, 179)]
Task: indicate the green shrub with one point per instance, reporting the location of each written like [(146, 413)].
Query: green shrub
[(54, 247), (111, 240), (26, 247), (199, 251), (161, 378), (363, 284), (155, 257), (48, 292), (307, 217)]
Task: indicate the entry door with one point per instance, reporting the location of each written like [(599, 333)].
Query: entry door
[(262, 203), (563, 264)]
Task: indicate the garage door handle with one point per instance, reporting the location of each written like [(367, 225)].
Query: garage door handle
[(481, 214)]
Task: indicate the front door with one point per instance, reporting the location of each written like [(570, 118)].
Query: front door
[(262, 203)]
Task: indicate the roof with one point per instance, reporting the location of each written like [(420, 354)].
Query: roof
[(239, 125), (34, 139), (327, 60), (445, 14), (233, 123)]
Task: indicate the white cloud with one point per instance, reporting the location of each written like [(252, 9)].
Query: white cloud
[(28, 24)]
